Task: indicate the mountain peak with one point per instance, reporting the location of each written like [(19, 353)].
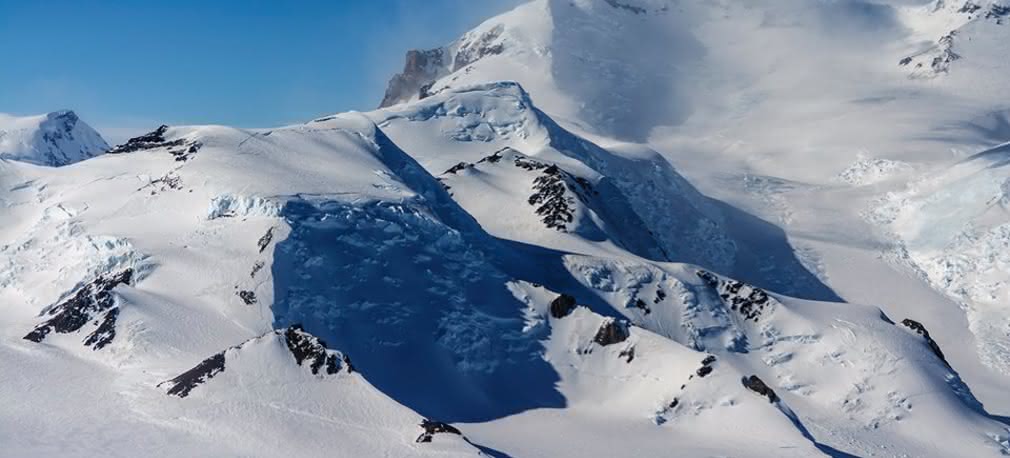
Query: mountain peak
[(67, 116), (54, 139)]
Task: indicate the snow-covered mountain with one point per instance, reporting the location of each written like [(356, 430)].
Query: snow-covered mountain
[(54, 139), (585, 228)]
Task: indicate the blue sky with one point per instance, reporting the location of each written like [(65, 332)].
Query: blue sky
[(131, 65)]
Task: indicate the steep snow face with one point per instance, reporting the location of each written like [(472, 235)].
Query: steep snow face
[(457, 133), (53, 139), (637, 199), (550, 46), (549, 205)]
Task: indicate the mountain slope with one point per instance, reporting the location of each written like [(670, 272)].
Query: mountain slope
[(53, 139), (185, 276), (489, 265)]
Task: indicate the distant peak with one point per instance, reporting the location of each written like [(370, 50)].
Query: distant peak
[(63, 114), (54, 139)]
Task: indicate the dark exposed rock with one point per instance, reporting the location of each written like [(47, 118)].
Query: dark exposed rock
[(105, 332), (431, 428), (640, 304), (941, 63), (495, 157), (169, 181), (265, 240), (749, 301), (673, 403), (562, 305), (552, 198), (629, 353), (969, 8), (425, 91), (157, 137), (457, 168), (706, 366), (921, 330), (178, 148), (93, 302), (420, 69), (477, 48), (183, 154), (660, 295), (307, 350), (998, 12), (258, 266), (611, 332), (905, 61), (187, 381), (310, 349), (758, 386), (248, 297), (626, 7), (529, 164)]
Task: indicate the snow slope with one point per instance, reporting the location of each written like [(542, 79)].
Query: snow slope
[(54, 139), (504, 259), (184, 277)]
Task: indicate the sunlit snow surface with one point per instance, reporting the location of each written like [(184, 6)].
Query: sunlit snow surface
[(500, 257)]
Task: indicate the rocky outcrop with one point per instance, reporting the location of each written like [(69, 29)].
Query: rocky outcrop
[(626, 7), (457, 168), (420, 69), (758, 386), (474, 47), (749, 301), (612, 332), (556, 193), (311, 350), (628, 354), (641, 305), (431, 428), (179, 148), (423, 67), (181, 386), (307, 350), (562, 305), (265, 240), (998, 12), (248, 297), (92, 303), (706, 366), (938, 59), (921, 330), (552, 200)]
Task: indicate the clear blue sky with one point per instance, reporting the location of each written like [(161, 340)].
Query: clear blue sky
[(128, 65)]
